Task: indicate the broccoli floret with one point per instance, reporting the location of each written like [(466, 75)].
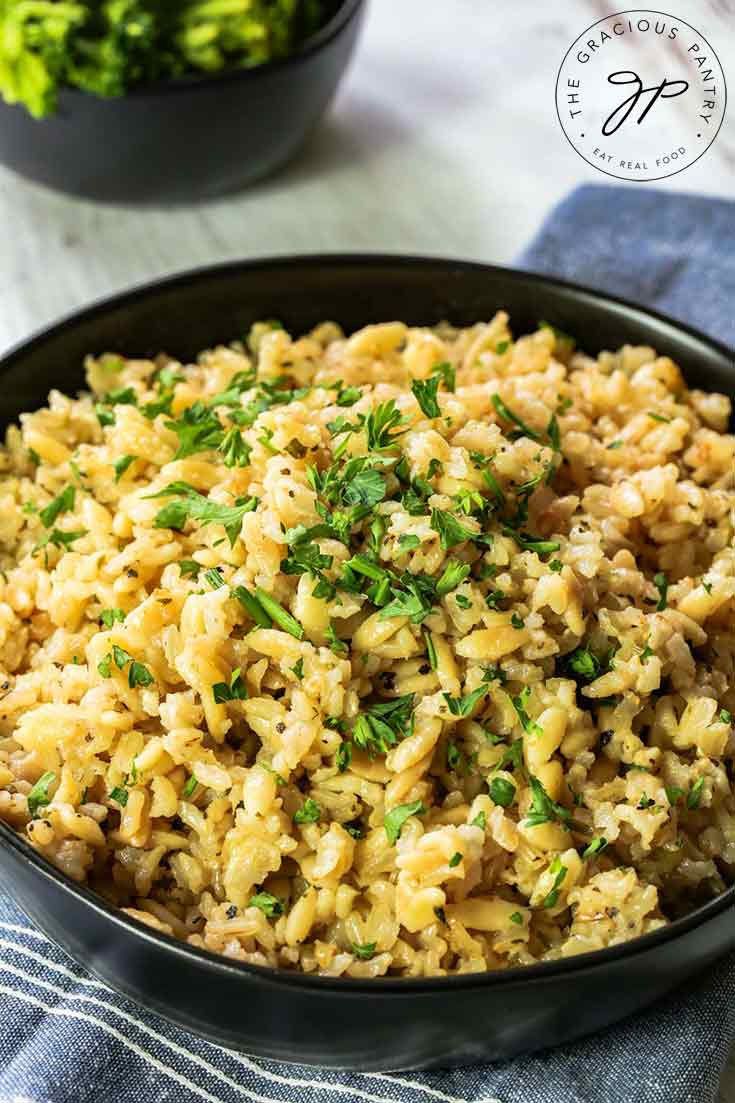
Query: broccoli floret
[(106, 47)]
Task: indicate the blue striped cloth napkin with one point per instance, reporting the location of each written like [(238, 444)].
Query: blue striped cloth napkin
[(67, 1038)]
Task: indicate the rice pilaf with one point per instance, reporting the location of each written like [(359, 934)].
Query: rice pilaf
[(404, 653)]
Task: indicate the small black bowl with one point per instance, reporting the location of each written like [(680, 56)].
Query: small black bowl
[(190, 138), (359, 1024)]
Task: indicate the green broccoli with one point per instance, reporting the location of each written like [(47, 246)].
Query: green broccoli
[(106, 47)]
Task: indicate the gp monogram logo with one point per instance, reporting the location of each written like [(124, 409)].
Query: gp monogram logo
[(641, 95)]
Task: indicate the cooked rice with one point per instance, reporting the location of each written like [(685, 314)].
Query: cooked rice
[(553, 775)]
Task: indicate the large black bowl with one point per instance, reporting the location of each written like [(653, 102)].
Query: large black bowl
[(380, 1024), (191, 138)]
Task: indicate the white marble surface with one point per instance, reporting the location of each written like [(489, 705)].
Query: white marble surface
[(443, 139)]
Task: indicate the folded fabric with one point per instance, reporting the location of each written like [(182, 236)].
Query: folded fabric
[(673, 252), (67, 1038)]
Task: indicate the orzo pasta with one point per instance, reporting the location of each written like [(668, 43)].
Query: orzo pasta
[(404, 653)]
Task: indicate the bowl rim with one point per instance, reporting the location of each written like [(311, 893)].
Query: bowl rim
[(345, 13), (208, 959)]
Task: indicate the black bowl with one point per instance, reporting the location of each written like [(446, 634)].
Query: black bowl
[(190, 138), (379, 1024)]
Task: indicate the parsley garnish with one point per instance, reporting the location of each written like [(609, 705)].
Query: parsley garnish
[(343, 756), (532, 543), (425, 392), (111, 616), (198, 430), (662, 585), (519, 704), (596, 846), (39, 795), (63, 503), (191, 784), (119, 795), (279, 615), (463, 706), (584, 663), (479, 821), (454, 860), (454, 573), (395, 819), (559, 872), (381, 725), (364, 951), (508, 415), (252, 607), (430, 650), (235, 450), (298, 669), (189, 568), (190, 504), (121, 464), (269, 905), (309, 812), (502, 791), (451, 531), (694, 796), (234, 690), (59, 539)]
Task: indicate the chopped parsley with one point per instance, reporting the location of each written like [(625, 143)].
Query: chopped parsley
[(454, 572), (516, 917), (63, 503), (596, 846), (364, 951), (309, 812), (191, 784), (430, 650), (395, 819), (253, 607), (269, 905), (502, 791), (694, 796), (532, 543), (120, 795), (519, 704), (59, 539), (454, 860), (121, 464), (109, 617), (298, 669), (425, 393), (189, 504), (508, 415), (189, 568), (463, 706), (381, 725), (39, 794), (661, 584), (451, 530), (235, 450), (234, 690), (479, 821), (558, 872), (545, 810), (584, 663), (198, 430)]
